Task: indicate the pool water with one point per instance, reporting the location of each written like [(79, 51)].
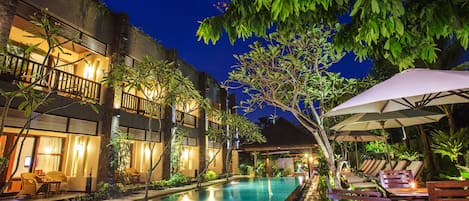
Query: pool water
[(273, 189)]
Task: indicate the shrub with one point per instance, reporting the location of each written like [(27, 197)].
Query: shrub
[(210, 175), (245, 169), (178, 179)]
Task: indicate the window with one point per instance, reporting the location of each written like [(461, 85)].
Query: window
[(49, 154)]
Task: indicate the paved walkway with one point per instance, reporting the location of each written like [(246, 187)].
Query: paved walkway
[(311, 192)]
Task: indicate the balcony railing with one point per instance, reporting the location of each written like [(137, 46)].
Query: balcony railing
[(189, 120), (139, 105), (214, 125), (27, 71)]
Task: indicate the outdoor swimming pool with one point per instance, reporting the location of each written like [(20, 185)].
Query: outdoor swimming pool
[(273, 189)]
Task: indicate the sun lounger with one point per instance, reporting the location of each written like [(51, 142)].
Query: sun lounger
[(400, 165)]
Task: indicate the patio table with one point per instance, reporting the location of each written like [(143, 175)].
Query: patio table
[(408, 193)]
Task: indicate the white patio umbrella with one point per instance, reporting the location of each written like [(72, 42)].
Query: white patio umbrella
[(410, 89), (396, 119), (356, 136)]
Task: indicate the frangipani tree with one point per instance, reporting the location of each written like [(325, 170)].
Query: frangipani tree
[(401, 32), (164, 86), (290, 73), (237, 129)]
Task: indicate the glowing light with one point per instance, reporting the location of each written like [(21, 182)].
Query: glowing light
[(211, 194), (306, 155), (186, 198), (413, 184), (48, 150), (185, 154), (310, 159), (89, 71)]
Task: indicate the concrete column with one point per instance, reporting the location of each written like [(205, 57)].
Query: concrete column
[(202, 123), (111, 100), (7, 12), (171, 55)]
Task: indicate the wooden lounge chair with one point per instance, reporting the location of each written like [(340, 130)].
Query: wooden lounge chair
[(337, 194), (400, 165), (59, 176), (390, 166), (396, 178), (416, 167), (371, 173), (448, 190)]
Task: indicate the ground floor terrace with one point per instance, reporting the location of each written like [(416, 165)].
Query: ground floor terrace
[(65, 154)]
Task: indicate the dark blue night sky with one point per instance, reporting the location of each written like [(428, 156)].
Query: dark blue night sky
[(174, 24)]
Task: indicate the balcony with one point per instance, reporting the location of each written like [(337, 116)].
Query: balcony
[(67, 84), (138, 105), (214, 125), (187, 119)]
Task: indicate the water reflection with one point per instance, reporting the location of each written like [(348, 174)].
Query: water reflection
[(271, 189)]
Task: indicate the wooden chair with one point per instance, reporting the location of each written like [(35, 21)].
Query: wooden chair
[(133, 175), (448, 190), (337, 194), (396, 178), (31, 184), (59, 176)]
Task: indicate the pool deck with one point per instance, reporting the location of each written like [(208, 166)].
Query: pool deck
[(311, 192)]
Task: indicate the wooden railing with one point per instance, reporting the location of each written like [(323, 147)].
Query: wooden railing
[(139, 105), (188, 119), (27, 71)]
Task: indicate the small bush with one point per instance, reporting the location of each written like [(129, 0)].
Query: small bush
[(210, 175), (245, 169), (179, 179)]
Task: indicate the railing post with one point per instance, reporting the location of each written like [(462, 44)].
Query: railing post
[(138, 105)]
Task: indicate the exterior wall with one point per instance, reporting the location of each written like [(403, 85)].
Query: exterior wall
[(141, 159), (86, 133), (189, 71), (140, 45), (234, 162), (189, 161), (90, 16), (217, 164)]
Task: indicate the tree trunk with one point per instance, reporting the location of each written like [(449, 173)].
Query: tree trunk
[(428, 155)]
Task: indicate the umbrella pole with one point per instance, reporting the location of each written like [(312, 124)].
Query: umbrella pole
[(356, 154), (386, 144)]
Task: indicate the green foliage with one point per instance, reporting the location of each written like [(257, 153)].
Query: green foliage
[(401, 33), (450, 144), (159, 81), (402, 152), (290, 72), (260, 170), (178, 179), (210, 175), (378, 147), (245, 169), (176, 148), (245, 130), (121, 148), (104, 191)]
